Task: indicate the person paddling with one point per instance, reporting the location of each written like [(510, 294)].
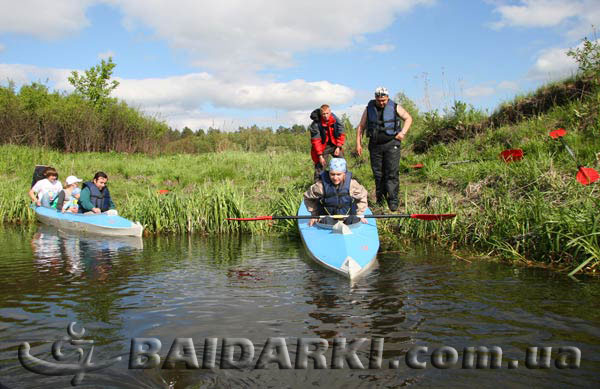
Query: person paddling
[(95, 196), (336, 193)]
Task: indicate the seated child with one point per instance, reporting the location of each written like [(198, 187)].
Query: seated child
[(67, 198), (336, 193)]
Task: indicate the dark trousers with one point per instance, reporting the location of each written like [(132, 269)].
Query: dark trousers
[(327, 152), (385, 163)]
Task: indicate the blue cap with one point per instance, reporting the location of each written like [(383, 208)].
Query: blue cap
[(337, 165)]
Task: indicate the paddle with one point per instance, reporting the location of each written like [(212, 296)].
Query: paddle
[(506, 156), (391, 216), (585, 175)]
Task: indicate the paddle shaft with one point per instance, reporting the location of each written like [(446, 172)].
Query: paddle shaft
[(516, 153), (342, 216), (307, 217), (569, 150), (579, 166), (465, 161)]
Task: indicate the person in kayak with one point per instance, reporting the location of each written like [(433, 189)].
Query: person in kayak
[(382, 120), (45, 191), (67, 198), (326, 137), (95, 196), (336, 193)]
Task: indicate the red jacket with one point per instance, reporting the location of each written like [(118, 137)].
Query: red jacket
[(325, 133)]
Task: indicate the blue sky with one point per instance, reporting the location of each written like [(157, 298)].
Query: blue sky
[(237, 63)]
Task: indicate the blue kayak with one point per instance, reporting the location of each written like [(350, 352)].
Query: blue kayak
[(347, 250), (103, 223)]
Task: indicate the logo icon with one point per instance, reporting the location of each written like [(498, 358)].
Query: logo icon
[(78, 369)]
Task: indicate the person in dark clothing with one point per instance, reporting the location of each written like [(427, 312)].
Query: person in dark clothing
[(95, 196), (382, 121), (336, 193), (327, 137)]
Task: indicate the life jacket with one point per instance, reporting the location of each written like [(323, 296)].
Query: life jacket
[(337, 201), (391, 121), (337, 125), (100, 199)]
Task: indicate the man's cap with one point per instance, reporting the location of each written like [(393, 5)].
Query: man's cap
[(381, 91)]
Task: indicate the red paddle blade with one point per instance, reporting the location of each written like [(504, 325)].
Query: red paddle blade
[(433, 217), (417, 166), (250, 218), (558, 133), (511, 155), (163, 191), (587, 175)]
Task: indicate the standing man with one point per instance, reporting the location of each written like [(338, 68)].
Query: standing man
[(382, 120), (326, 136)]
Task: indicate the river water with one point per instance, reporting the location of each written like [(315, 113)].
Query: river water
[(257, 288)]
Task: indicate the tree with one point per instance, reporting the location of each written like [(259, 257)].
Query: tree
[(407, 104), (298, 129), (348, 127), (95, 85), (186, 132), (588, 59)]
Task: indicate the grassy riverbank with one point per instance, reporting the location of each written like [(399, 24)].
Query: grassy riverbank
[(532, 211)]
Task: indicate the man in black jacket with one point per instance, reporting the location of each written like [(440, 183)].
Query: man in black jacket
[(382, 119)]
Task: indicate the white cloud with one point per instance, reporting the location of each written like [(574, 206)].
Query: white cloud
[(193, 90), (383, 48), (354, 112), (537, 13), (577, 16), (508, 85), (552, 64), (261, 34), (180, 99), (479, 91), (232, 41), (589, 19), (43, 19), (23, 74), (107, 54)]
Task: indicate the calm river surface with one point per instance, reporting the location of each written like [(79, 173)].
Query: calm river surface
[(257, 288)]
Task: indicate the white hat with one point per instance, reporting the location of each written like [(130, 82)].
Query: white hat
[(381, 91), (72, 180)]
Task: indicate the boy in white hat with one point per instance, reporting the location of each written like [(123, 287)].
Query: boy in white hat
[(67, 198), (336, 193)]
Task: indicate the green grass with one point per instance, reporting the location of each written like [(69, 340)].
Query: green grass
[(528, 211), (204, 189), (532, 210)]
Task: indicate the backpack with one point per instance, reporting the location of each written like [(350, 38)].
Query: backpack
[(38, 173)]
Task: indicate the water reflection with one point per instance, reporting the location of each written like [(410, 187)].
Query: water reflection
[(259, 287), (79, 254)]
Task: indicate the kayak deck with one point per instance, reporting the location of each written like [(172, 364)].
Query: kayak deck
[(350, 253)]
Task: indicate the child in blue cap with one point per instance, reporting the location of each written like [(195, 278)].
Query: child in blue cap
[(336, 193)]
